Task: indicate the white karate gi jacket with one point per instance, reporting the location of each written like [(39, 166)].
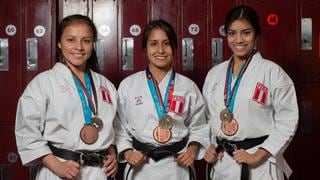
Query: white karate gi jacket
[(265, 104), (50, 109), (138, 118)]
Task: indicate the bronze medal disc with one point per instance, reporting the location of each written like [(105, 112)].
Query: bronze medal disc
[(89, 134), (166, 122), (230, 128), (226, 115), (161, 135), (97, 122)]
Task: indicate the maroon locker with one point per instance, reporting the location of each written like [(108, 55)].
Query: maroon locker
[(10, 59), (308, 132), (104, 15), (9, 155), (309, 61), (133, 19), (278, 42), (217, 46), (194, 39), (38, 37)]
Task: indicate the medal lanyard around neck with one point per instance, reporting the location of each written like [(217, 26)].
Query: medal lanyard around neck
[(230, 94), (86, 91), (161, 108)]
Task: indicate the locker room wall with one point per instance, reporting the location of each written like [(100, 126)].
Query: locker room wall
[(120, 24), (27, 32)]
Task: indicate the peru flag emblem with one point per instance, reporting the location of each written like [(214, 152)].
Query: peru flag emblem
[(260, 94), (177, 104), (105, 94)]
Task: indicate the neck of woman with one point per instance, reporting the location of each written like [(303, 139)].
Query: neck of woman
[(158, 74)]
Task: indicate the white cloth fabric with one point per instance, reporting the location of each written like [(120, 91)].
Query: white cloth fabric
[(265, 104), (138, 118), (50, 110)]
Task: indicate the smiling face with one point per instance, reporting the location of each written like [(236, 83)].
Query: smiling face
[(241, 38), (158, 50), (76, 44)]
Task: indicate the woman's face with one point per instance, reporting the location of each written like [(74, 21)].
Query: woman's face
[(241, 38), (76, 44), (158, 50)]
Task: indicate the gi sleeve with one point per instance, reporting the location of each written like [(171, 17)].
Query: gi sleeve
[(122, 139), (29, 124), (196, 122), (285, 114)]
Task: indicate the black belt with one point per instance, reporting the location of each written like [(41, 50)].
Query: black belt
[(230, 146), (83, 158), (161, 152)]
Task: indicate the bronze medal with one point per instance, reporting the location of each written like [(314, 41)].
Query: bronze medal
[(230, 128), (226, 115), (166, 122), (161, 135), (97, 122), (89, 134)]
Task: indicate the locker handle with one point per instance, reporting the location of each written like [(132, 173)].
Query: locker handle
[(187, 53), (99, 46), (127, 53), (32, 54), (4, 60)]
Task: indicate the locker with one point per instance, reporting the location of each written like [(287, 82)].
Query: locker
[(194, 39), (133, 19), (10, 59), (9, 157), (38, 38), (309, 60), (278, 42)]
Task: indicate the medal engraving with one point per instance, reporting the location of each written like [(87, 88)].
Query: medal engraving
[(166, 122), (89, 134), (230, 128), (226, 115), (97, 123), (161, 135)]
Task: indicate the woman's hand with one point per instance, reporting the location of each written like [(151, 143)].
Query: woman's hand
[(187, 158), (253, 160), (66, 170), (211, 155), (134, 158), (111, 164)]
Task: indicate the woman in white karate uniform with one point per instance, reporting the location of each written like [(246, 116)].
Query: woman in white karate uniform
[(64, 120), (161, 128), (252, 107)]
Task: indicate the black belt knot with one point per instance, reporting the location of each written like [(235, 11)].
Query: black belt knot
[(84, 157)]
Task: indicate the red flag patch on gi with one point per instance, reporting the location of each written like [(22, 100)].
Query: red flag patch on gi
[(177, 104), (260, 94), (105, 93), (138, 100)]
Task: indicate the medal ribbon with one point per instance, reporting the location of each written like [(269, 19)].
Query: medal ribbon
[(86, 91), (161, 108), (230, 94)]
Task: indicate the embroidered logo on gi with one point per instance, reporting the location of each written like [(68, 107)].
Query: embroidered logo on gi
[(260, 94), (138, 100), (105, 93), (63, 88), (177, 104)]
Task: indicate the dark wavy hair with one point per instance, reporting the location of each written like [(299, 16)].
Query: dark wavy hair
[(166, 27), (92, 62), (243, 12)]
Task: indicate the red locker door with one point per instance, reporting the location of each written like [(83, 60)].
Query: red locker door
[(133, 19), (217, 45), (38, 37), (278, 21), (168, 10), (10, 59), (194, 39), (104, 15), (309, 61)]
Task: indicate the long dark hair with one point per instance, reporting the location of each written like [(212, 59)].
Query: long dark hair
[(246, 13), (92, 62), (166, 27)]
